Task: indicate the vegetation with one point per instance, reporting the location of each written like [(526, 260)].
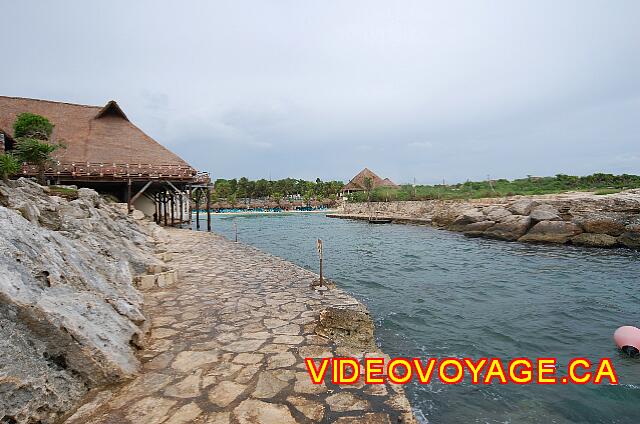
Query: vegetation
[(32, 134), (36, 152), (30, 125), (599, 183), (9, 166), (65, 192), (244, 188)]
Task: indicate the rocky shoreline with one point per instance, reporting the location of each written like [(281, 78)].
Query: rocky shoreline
[(98, 330), (583, 219)]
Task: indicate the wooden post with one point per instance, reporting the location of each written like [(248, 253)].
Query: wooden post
[(181, 208), (189, 206), (198, 193), (172, 207), (156, 206), (129, 195), (208, 208), (164, 206), (319, 247), (235, 227)]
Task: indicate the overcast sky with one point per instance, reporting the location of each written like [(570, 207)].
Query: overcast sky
[(426, 89)]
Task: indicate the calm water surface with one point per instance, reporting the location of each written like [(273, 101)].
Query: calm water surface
[(439, 294)]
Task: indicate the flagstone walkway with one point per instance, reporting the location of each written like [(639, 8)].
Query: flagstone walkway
[(227, 345)]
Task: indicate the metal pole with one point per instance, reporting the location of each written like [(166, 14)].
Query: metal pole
[(189, 205)]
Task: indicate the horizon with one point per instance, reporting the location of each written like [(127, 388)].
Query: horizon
[(421, 90)]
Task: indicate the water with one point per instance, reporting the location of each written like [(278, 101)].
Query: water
[(439, 294)]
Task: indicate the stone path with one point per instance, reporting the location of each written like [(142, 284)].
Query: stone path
[(227, 346)]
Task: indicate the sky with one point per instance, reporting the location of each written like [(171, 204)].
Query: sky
[(424, 90)]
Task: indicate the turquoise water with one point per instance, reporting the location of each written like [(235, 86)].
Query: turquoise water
[(439, 294)]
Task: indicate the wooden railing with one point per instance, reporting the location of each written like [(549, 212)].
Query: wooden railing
[(134, 171)]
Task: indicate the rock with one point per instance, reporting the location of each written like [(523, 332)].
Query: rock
[(225, 392), (346, 401), (66, 280), (545, 213), (136, 214), (551, 232), (594, 240), (270, 383), (189, 360), (468, 216), (511, 228), (351, 327), (313, 410), (186, 414), (281, 360), (253, 411), (603, 226), (496, 213), (523, 207), (150, 410), (476, 228), (630, 239)]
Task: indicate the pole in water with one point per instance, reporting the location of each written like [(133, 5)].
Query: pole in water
[(319, 247), (235, 228)]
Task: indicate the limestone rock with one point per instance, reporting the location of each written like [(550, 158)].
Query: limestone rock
[(630, 239), (496, 213), (66, 280), (594, 240), (511, 228), (346, 401), (351, 327), (523, 207), (603, 226), (551, 232), (313, 410), (545, 213), (253, 411)]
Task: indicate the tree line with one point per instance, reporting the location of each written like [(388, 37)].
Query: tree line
[(245, 188)]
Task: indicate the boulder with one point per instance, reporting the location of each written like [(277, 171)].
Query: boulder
[(551, 232), (468, 216), (630, 239), (496, 213), (522, 207), (511, 228), (603, 226), (545, 213), (594, 240), (347, 327)]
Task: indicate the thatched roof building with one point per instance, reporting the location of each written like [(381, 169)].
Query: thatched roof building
[(104, 150), (101, 142), (357, 183)]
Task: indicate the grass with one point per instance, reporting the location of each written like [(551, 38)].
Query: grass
[(64, 192), (601, 184)]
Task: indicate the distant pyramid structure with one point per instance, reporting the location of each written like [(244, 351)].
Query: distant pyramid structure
[(357, 182)]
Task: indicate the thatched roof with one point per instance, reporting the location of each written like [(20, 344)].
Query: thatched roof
[(92, 134), (357, 182)]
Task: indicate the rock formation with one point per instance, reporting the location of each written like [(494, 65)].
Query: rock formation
[(70, 316), (583, 219)]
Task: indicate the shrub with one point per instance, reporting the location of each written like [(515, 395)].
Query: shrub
[(31, 125), (36, 152), (9, 166)]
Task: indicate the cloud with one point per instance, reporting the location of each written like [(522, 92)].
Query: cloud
[(306, 90)]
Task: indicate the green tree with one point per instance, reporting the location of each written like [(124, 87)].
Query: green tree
[(30, 125), (232, 200), (36, 152), (307, 197), (9, 166), (368, 186)]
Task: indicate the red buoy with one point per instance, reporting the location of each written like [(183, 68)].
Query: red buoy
[(627, 339)]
